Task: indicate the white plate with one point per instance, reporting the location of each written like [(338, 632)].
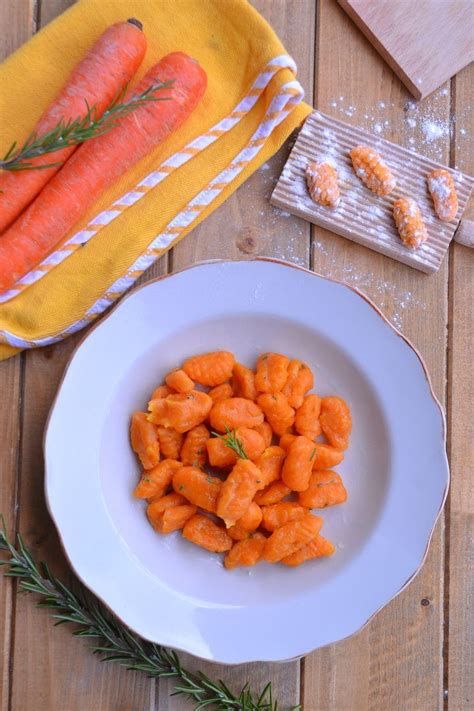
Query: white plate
[(396, 471)]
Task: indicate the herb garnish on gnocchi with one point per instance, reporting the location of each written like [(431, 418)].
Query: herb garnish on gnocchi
[(238, 464)]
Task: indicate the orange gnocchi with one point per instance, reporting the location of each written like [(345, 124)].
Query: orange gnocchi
[(316, 548), (194, 452), (207, 534), (220, 455), (211, 468), (277, 411), (179, 381), (249, 522), (244, 382), (181, 411), (336, 422), (246, 552), (307, 417), (211, 368), (272, 372), (235, 412), (298, 464), (155, 481), (221, 392), (170, 442), (144, 438), (237, 492), (325, 489), (300, 380)]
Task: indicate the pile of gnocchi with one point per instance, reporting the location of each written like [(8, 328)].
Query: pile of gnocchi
[(233, 458)]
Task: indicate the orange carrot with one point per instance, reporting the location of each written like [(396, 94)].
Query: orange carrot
[(105, 70), (97, 164)]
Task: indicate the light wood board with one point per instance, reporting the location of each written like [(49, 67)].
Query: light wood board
[(361, 215), (425, 42)]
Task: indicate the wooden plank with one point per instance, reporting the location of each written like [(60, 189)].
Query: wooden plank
[(247, 226), (16, 21), (460, 649), (425, 43), (10, 381), (61, 671), (396, 661), (49, 9)]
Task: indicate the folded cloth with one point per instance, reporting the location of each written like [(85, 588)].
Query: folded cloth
[(252, 103)]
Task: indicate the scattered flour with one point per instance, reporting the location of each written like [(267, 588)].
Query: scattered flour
[(281, 213), (433, 130), (329, 159), (375, 210), (427, 123), (385, 293)]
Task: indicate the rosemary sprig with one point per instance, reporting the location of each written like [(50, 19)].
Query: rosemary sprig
[(231, 440), (75, 131), (116, 643)]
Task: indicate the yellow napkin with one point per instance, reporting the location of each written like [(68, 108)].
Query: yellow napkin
[(251, 105)]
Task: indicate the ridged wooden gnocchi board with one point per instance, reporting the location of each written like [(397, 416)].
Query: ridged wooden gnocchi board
[(361, 215)]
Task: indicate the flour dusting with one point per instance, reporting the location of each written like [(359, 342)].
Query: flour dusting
[(427, 124), (385, 294)]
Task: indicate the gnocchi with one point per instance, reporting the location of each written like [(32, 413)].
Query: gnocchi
[(236, 458)]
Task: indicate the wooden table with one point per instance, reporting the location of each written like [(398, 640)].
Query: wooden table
[(418, 653)]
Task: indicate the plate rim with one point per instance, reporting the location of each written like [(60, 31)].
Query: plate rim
[(280, 262)]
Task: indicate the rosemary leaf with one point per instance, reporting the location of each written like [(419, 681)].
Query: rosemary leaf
[(231, 440), (74, 131), (115, 642)]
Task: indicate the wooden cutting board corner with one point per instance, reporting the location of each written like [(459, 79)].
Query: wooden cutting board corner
[(425, 42)]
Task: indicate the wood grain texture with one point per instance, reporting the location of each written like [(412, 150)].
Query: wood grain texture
[(17, 15), (49, 9), (10, 389), (363, 216), (465, 233), (425, 42), (247, 226), (396, 661), (17, 23), (460, 607)]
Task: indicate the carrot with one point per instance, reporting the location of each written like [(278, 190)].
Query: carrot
[(97, 164), (105, 70)]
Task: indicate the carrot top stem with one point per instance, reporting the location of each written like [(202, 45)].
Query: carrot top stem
[(75, 131), (134, 21)]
